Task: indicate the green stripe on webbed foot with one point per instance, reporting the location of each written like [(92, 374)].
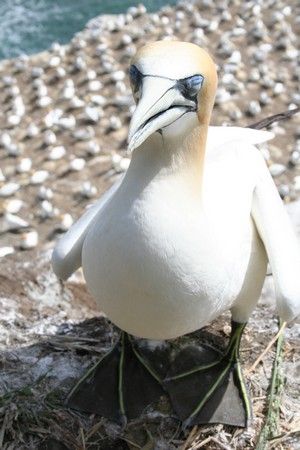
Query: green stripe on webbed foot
[(120, 386), (212, 389)]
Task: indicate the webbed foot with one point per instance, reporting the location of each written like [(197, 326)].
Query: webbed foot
[(120, 386), (205, 387)]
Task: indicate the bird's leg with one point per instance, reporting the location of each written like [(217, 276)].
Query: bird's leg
[(213, 390), (119, 386)]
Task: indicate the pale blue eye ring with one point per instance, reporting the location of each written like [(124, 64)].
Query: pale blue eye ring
[(194, 83), (190, 86)]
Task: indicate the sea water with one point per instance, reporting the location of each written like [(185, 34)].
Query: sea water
[(30, 26)]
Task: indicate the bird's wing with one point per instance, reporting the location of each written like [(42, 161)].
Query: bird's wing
[(66, 257), (280, 239), (219, 136)]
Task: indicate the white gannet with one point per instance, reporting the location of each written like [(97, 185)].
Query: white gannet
[(184, 236)]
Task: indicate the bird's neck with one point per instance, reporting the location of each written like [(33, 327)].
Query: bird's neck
[(180, 157)]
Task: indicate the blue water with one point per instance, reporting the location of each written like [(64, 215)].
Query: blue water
[(30, 26)]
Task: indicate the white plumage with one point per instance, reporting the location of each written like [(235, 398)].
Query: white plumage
[(182, 237)]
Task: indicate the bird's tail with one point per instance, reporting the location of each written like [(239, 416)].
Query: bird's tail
[(264, 123)]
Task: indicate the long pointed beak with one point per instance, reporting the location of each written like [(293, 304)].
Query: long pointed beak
[(160, 105)]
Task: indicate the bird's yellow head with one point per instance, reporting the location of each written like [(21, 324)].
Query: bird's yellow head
[(174, 85)]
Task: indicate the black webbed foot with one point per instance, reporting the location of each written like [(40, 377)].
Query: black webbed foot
[(206, 387)]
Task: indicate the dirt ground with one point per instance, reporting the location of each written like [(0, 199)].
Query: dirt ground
[(51, 333)]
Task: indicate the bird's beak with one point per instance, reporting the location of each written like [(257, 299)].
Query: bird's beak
[(160, 104)]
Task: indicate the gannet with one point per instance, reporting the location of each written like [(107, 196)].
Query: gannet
[(185, 235)]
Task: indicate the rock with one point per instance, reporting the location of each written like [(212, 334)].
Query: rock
[(39, 177), (9, 189), (45, 193), (11, 222), (4, 251), (57, 153), (67, 122), (120, 164), (277, 169), (84, 134), (29, 240), (88, 190), (13, 205), (254, 108), (43, 102), (49, 137), (93, 148), (32, 130), (77, 164), (5, 139), (115, 123), (47, 210), (66, 221), (24, 165)]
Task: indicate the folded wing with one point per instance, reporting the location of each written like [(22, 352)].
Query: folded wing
[(280, 240), (66, 257)]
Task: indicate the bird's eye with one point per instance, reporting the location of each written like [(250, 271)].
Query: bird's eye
[(189, 87), (136, 78)]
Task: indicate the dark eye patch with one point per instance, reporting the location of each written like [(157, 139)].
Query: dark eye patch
[(190, 86), (136, 77)]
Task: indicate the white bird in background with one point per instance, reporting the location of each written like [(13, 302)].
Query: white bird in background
[(183, 237)]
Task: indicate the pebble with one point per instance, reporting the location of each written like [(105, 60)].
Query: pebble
[(12, 222), (115, 123), (47, 210), (13, 150), (4, 251), (32, 130), (119, 163), (2, 177), (13, 205), (93, 148), (295, 158), (88, 190), (45, 193), (9, 189), (278, 89), (91, 75), (53, 117), (222, 96), (13, 119), (277, 169), (297, 183), (76, 102), (54, 61), (24, 165), (98, 100), (56, 153), (284, 190), (93, 113), (37, 72), (84, 134), (66, 221), (5, 139), (264, 99), (39, 177), (43, 102), (119, 75), (77, 164), (68, 92), (29, 240), (67, 122), (254, 108), (49, 137), (94, 85)]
